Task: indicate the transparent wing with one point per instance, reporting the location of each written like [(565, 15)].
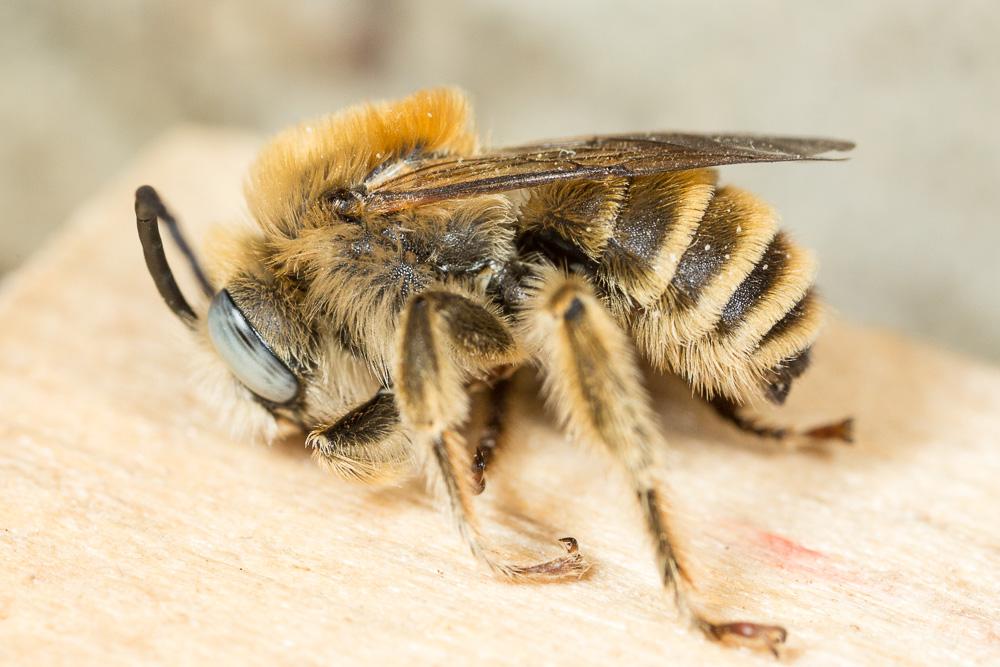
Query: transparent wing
[(584, 158)]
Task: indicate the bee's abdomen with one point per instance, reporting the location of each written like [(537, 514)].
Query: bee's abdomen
[(709, 287)]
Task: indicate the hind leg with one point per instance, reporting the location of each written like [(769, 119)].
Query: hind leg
[(592, 380), (788, 437)]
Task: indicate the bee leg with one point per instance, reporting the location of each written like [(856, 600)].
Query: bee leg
[(592, 376), (791, 438), (367, 444), (491, 434), (444, 336)]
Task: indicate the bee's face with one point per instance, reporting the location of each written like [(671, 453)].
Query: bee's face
[(247, 354)]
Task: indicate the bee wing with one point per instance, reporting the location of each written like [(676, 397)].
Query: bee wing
[(595, 157)]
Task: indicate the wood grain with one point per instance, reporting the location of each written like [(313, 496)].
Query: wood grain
[(133, 529)]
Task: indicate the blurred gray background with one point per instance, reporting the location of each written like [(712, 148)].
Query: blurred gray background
[(907, 231)]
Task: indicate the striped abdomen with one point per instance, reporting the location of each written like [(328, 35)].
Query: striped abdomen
[(708, 285)]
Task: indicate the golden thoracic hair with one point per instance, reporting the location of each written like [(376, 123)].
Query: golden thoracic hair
[(338, 151)]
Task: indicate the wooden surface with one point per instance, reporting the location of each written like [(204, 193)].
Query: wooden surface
[(132, 528)]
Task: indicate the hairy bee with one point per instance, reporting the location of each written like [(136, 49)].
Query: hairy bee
[(392, 265)]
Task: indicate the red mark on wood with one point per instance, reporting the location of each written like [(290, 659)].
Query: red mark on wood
[(785, 549), (786, 554), (792, 556)]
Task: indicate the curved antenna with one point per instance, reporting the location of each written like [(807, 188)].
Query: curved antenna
[(148, 210)]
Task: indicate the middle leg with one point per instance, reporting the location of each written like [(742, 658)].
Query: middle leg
[(492, 432), (594, 383)]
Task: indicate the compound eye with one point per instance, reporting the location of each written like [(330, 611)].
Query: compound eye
[(246, 354)]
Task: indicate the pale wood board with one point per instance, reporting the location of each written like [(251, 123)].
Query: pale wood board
[(133, 529)]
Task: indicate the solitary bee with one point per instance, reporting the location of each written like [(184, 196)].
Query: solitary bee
[(394, 267)]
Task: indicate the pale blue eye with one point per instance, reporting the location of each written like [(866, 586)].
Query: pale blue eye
[(247, 356)]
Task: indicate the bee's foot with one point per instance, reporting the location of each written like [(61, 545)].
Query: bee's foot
[(571, 566), (842, 430), (751, 635)]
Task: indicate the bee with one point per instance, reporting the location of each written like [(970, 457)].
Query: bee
[(392, 266)]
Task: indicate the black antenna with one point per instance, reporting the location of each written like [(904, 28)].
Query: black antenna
[(148, 210)]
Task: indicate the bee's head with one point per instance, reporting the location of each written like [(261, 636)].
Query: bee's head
[(244, 323), (270, 348)]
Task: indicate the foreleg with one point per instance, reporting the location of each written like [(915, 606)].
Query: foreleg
[(366, 444), (445, 337)]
